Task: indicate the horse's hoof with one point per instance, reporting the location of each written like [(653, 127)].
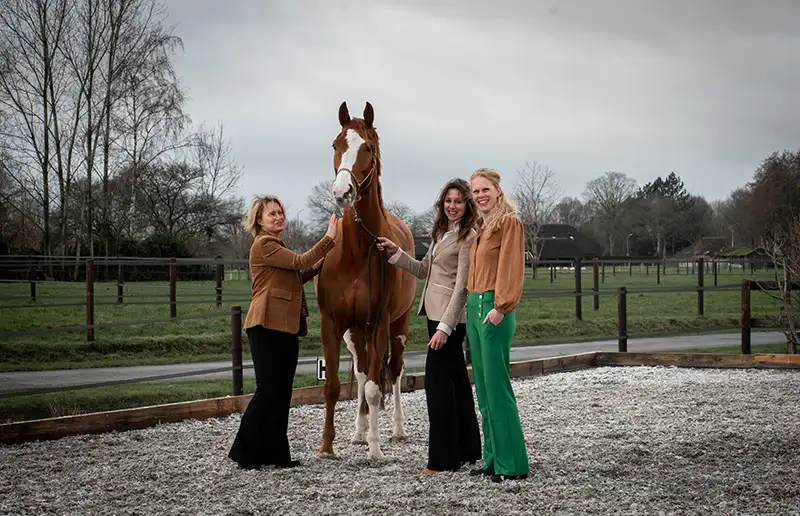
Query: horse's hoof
[(376, 456), (358, 440), (399, 437), (326, 454)]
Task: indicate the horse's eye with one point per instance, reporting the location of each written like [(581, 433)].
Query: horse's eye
[(368, 147)]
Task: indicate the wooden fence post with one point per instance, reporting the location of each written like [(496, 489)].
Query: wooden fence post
[(89, 300), (120, 284), (32, 278), (716, 270), (700, 269), (173, 289), (596, 284), (745, 319), (578, 299), (622, 320), (236, 350), (658, 273), (603, 273), (220, 275)]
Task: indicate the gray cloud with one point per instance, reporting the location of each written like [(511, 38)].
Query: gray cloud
[(707, 89)]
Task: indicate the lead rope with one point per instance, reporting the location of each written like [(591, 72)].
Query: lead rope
[(381, 293)]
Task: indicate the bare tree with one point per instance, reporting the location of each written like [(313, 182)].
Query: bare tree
[(321, 203), (536, 193), (296, 236), (422, 224), (402, 211), (572, 212), (220, 174), (31, 34), (138, 44), (608, 194), (782, 245)]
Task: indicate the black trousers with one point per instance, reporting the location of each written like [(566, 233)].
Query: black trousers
[(454, 436), (262, 437)]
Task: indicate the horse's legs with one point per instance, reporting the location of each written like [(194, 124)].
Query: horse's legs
[(372, 391), (354, 338), (399, 332), (330, 345)]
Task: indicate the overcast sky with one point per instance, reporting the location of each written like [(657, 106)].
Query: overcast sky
[(703, 88)]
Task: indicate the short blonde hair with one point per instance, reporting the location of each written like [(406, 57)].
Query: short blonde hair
[(253, 221), (504, 208)]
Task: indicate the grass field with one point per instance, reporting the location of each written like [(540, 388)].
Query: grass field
[(539, 321)]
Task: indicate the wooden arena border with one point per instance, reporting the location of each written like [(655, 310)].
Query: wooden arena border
[(143, 417)]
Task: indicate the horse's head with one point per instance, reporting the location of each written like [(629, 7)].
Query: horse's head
[(355, 155)]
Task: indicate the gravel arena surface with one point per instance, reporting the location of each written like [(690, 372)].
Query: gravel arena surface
[(632, 440)]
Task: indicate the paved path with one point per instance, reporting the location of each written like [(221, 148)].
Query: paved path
[(66, 377)]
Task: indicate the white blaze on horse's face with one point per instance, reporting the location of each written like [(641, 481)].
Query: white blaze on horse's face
[(344, 190)]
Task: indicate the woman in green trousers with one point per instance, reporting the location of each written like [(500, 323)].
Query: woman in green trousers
[(494, 289)]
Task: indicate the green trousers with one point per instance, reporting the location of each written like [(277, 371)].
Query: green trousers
[(504, 450)]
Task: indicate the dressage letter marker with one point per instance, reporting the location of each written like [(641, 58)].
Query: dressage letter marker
[(320, 369)]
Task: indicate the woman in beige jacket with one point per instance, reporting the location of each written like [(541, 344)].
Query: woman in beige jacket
[(454, 438)]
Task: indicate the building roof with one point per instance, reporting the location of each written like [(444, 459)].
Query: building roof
[(564, 242)]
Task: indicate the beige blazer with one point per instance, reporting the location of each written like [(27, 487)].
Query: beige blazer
[(445, 273)]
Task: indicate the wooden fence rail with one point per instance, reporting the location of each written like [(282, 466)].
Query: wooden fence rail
[(748, 323), (701, 266)]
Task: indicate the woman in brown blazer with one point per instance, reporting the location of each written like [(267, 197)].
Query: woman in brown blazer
[(454, 438), (275, 321)]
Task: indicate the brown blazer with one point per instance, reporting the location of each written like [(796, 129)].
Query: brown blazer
[(278, 276), (445, 274)]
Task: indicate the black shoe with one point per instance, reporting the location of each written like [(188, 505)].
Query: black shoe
[(500, 478), (290, 464), (480, 471)]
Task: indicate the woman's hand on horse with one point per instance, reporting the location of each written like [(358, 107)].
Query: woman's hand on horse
[(384, 244), (494, 317), (333, 227), (438, 340)]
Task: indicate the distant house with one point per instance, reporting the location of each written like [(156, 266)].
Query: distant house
[(564, 242), (710, 246), (740, 252)]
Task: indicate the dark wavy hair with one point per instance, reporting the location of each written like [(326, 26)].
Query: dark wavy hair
[(468, 221)]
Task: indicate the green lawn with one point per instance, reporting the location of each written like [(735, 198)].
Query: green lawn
[(539, 321)]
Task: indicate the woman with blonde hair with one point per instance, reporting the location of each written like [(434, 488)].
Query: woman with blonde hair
[(275, 320), (494, 285), (454, 437)]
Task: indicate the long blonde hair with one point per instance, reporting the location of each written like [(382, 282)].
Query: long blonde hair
[(504, 208), (253, 221)]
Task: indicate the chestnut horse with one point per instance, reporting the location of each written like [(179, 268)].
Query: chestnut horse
[(360, 296)]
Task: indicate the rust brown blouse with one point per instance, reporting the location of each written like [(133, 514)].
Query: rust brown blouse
[(497, 262)]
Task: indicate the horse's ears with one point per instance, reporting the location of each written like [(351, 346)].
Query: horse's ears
[(369, 115), (344, 115)]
